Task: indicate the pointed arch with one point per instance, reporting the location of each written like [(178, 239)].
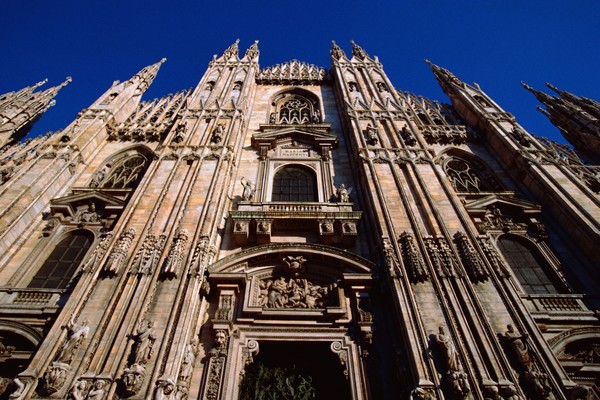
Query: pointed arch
[(123, 170), (295, 106), (468, 173)]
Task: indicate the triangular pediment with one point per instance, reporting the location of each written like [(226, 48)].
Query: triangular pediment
[(69, 205), (502, 202), (316, 137)]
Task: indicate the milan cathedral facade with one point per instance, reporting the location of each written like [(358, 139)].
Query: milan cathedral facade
[(298, 232)]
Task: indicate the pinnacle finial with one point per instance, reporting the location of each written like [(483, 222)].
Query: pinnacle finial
[(358, 51), (252, 51), (232, 50), (336, 51)]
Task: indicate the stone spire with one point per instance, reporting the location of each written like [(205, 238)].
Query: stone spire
[(146, 76), (577, 118), (336, 52), (21, 109), (252, 51), (446, 79), (232, 50), (358, 51)]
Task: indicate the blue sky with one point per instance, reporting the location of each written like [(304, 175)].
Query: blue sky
[(495, 43)]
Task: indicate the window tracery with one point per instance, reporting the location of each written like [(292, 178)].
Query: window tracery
[(469, 176), (123, 174), (295, 109)]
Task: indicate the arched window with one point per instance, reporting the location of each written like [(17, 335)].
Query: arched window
[(469, 176), (59, 267), (527, 266), (295, 107), (294, 183), (123, 173)]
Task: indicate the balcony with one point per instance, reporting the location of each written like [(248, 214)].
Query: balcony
[(334, 223), (558, 307), (29, 301)]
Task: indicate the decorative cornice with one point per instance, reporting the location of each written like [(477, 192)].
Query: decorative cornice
[(293, 72)]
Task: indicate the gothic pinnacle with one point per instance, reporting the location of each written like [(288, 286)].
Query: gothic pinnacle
[(443, 75), (252, 51), (232, 50), (147, 74), (541, 96), (358, 51), (336, 51)]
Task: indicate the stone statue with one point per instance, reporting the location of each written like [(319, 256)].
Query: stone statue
[(144, 341), (517, 342), (510, 393), (459, 384), (294, 264), (97, 392), (372, 135), (78, 391), (249, 190), (20, 390), (343, 194), (217, 134), (420, 394), (133, 378), (187, 364), (444, 343), (537, 382), (165, 389), (76, 334)]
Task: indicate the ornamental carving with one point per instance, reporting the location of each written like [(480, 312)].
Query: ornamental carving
[(293, 73), (143, 347), (292, 293), (494, 219), (469, 176), (147, 257), (98, 254), (55, 377), (76, 334), (116, 261), (391, 260), (470, 257), (133, 378), (412, 258), (174, 262), (442, 257)]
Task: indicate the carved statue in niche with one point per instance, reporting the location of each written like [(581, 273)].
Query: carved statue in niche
[(187, 363), (144, 341), (76, 334), (217, 134), (249, 190), (448, 350), (381, 87), (519, 346), (291, 293), (372, 135)]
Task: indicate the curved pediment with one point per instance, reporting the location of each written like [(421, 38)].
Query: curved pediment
[(317, 256)]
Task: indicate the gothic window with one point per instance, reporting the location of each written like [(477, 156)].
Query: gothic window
[(295, 107), (294, 111), (527, 265), (124, 174), (294, 183), (59, 267), (469, 177)]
